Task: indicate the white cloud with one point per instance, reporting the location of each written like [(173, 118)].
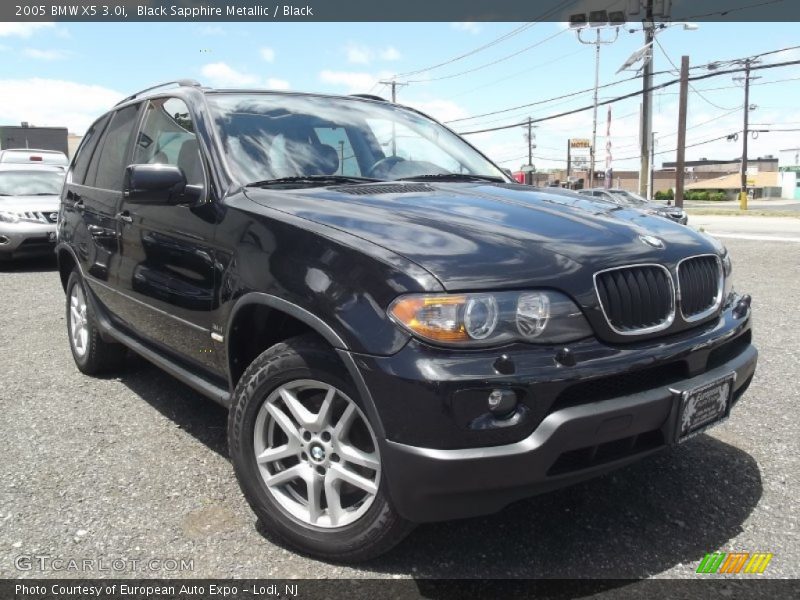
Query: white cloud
[(468, 26), (45, 54), (358, 54), (356, 82), (277, 84), (441, 110), (267, 54), (53, 102), (24, 30), (222, 75), (390, 53)]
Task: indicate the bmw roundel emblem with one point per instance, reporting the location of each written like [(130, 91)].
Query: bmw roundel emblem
[(653, 241)]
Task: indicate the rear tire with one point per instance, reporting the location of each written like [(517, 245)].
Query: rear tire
[(91, 353), (296, 409)]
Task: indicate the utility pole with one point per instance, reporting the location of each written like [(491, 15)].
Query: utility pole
[(530, 142), (647, 100), (393, 84), (569, 162), (680, 161), (745, 132), (651, 188), (594, 117)]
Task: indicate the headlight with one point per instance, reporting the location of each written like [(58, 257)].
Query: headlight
[(487, 319), (8, 217), (727, 271)]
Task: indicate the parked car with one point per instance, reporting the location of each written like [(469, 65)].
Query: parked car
[(29, 203), (400, 332), (626, 198), (51, 158)]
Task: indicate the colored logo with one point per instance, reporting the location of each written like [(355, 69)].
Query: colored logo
[(735, 562)]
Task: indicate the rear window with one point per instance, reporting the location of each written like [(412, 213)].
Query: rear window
[(84, 154), (34, 157), (113, 155), (30, 183)]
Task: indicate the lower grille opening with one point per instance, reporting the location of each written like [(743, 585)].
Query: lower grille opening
[(729, 350), (625, 384), (35, 241), (592, 456)]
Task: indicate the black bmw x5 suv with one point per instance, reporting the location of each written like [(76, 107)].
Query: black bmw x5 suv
[(401, 333)]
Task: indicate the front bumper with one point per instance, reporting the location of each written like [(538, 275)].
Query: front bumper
[(613, 406), (27, 238)]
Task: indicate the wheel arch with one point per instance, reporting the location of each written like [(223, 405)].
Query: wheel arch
[(302, 321)]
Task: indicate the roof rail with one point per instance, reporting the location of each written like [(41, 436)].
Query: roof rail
[(370, 97), (178, 82)]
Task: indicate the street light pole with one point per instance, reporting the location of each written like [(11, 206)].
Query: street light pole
[(645, 134), (594, 116), (597, 42)]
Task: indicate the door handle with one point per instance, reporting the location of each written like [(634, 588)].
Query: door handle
[(76, 199), (124, 216)]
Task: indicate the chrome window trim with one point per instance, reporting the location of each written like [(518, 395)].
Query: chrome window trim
[(720, 287), (666, 324)]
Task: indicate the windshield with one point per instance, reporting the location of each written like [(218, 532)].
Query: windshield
[(629, 197), (30, 183), (271, 136)]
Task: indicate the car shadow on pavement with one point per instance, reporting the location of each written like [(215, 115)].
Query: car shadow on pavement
[(39, 264), (202, 418), (667, 510)]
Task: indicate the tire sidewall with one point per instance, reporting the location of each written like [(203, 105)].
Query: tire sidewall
[(251, 393), (81, 361)]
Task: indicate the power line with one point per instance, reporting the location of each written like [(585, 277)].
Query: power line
[(691, 87), (634, 94), (517, 74), (489, 64), (502, 38), (614, 83), (723, 13), (539, 102)]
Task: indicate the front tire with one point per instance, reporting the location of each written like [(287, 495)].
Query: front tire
[(92, 354), (306, 455)]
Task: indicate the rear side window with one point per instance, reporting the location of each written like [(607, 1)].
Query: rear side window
[(113, 150), (84, 154)]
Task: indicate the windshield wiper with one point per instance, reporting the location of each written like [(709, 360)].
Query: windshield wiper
[(454, 177), (312, 180)]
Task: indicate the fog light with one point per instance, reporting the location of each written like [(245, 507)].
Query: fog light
[(742, 307), (502, 403)]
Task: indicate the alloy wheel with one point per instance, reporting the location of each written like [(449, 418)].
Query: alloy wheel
[(317, 454)]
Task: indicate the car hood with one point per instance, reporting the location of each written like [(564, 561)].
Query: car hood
[(44, 204), (474, 236)]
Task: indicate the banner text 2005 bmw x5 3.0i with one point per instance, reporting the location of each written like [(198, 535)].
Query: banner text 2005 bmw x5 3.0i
[(401, 333)]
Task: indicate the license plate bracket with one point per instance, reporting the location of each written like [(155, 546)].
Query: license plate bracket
[(704, 407)]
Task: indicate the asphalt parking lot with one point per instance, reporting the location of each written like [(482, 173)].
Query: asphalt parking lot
[(134, 467)]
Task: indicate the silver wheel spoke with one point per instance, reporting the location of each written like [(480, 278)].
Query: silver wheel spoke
[(283, 421), (314, 484), (343, 426), (305, 455), (300, 413), (323, 418), (272, 454), (353, 478), (335, 512), (287, 475), (358, 457)]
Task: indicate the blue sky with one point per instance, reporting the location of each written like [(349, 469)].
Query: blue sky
[(67, 74)]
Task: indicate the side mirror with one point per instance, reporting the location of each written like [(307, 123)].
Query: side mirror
[(158, 184)]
